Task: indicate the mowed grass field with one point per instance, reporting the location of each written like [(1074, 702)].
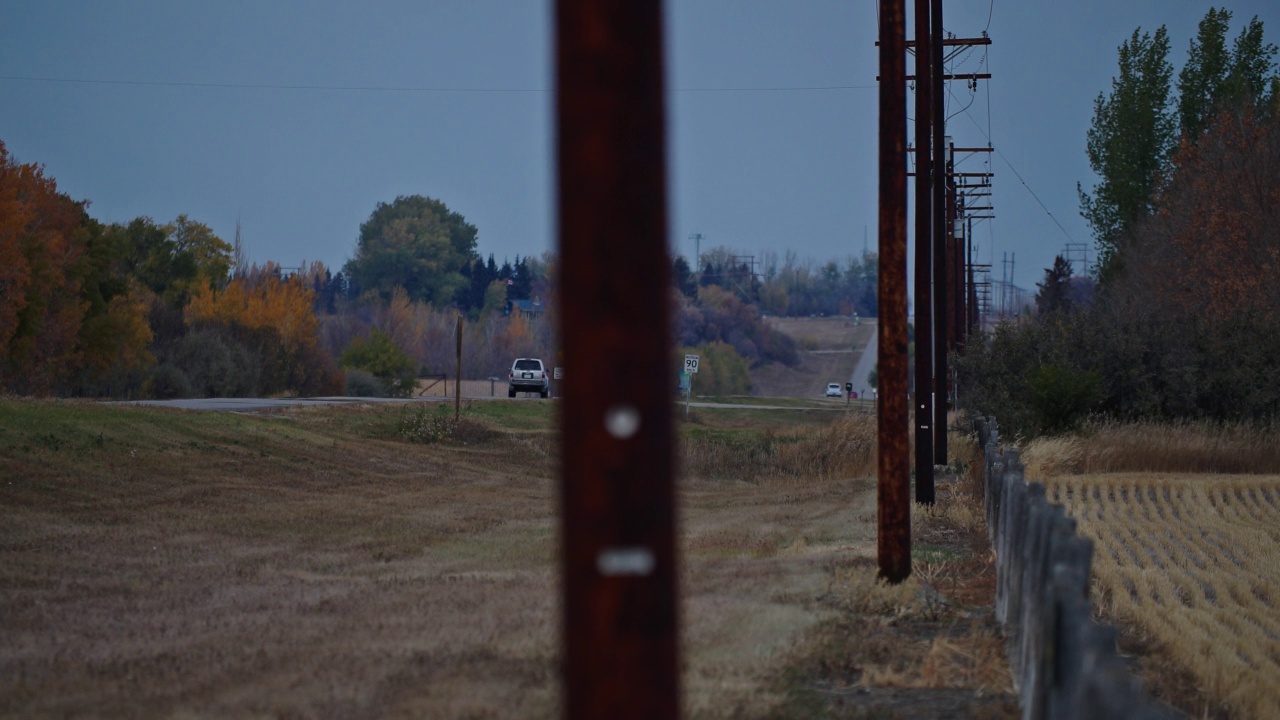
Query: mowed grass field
[(317, 563), (1190, 559)]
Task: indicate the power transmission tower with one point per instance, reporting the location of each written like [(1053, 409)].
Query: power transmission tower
[(697, 251), (1077, 253)]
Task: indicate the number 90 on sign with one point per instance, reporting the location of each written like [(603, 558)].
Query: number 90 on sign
[(691, 363)]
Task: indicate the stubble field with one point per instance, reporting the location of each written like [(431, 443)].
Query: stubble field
[(1188, 561)]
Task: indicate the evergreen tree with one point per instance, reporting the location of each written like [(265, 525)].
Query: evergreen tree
[(522, 285), (1054, 296), (682, 277)]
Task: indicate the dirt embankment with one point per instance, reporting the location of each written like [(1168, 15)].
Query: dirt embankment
[(829, 350)]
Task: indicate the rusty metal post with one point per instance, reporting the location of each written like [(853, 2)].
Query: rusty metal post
[(617, 538), (939, 239), (893, 455), (924, 259)]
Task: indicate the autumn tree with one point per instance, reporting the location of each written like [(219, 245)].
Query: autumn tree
[(274, 317), (149, 254), (416, 243), (1129, 142), (211, 255), (41, 267)]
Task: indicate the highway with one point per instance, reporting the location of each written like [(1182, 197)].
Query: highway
[(866, 363)]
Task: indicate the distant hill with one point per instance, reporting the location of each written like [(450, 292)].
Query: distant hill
[(829, 348)]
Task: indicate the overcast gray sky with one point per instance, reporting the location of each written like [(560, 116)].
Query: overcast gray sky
[(297, 117)]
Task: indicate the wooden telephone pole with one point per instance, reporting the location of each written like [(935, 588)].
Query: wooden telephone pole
[(893, 460)]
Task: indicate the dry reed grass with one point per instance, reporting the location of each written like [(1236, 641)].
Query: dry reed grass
[(961, 650), (1193, 560), (843, 448), (1179, 447)]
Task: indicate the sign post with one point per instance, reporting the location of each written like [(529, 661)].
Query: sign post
[(690, 369)]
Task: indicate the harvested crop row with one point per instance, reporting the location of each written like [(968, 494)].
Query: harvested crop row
[(1195, 561)]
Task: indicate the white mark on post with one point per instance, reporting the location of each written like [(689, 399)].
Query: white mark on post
[(625, 561), (622, 421)]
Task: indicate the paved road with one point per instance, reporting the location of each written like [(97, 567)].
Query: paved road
[(255, 404), (258, 404), (866, 363)]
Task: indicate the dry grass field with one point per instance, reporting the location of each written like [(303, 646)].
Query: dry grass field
[(1187, 556), (314, 563)]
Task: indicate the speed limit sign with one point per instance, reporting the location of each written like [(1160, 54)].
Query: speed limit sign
[(691, 364)]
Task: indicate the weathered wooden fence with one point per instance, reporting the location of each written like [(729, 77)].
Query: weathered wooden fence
[(1064, 665)]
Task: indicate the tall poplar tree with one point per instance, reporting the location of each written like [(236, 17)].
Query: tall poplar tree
[(1129, 144), (1215, 77)]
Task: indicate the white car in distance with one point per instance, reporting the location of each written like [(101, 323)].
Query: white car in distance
[(528, 375)]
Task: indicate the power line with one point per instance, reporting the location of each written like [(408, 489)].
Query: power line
[(1018, 175), (403, 89)]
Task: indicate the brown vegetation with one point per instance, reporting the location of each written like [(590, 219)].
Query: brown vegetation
[(313, 563), (1185, 557)]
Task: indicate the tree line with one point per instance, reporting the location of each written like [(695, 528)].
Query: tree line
[(113, 309), (148, 309), (794, 287), (1185, 319)]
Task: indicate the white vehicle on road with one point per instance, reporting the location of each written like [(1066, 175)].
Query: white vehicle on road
[(528, 375), (834, 390)]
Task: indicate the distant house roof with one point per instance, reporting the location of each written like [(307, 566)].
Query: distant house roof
[(527, 307)]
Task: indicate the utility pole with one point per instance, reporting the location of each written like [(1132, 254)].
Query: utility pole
[(971, 318), (893, 425), (957, 269), (620, 604), (940, 143), (697, 252), (925, 490)]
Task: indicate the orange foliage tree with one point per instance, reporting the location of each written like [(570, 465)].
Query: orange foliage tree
[(1213, 248), (278, 312), (40, 258)]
